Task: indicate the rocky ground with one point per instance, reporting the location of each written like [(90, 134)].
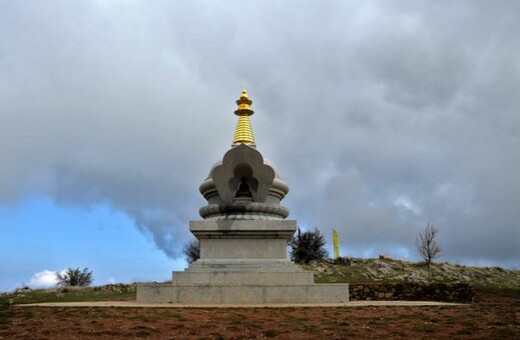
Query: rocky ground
[(385, 269)]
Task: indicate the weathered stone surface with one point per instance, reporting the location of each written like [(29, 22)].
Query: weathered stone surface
[(244, 186), (241, 278), (322, 293), (243, 262), (244, 265), (244, 211), (242, 240), (244, 229), (242, 163)]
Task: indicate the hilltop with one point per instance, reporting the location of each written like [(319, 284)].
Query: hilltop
[(347, 270), (388, 270), (493, 314)]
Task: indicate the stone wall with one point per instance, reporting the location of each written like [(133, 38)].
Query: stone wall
[(452, 292)]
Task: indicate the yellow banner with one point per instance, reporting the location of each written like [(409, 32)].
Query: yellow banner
[(336, 243)]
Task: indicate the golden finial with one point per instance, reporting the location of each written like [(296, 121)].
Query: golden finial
[(243, 131), (244, 103)]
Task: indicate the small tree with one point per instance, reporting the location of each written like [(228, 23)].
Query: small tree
[(192, 251), (308, 246), (74, 277), (427, 245)]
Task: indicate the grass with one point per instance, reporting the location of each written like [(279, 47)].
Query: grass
[(493, 316), (270, 333), (397, 271), (70, 294), (424, 328), (345, 274), (503, 293), (490, 279)]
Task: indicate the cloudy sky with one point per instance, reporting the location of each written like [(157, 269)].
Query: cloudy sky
[(381, 115)]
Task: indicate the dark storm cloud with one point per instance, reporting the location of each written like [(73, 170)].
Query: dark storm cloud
[(381, 116)]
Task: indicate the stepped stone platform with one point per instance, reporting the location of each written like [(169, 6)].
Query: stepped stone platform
[(235, 268)]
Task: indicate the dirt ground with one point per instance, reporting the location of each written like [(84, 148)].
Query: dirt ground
[(493, 315)]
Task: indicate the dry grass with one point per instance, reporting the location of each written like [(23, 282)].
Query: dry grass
[(496, 314)]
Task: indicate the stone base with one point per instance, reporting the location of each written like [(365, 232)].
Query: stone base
[(237, 240), (191, 278), (243, 261), (238, 286), (315, 293)]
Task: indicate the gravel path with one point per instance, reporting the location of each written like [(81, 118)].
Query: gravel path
[(134, 304)]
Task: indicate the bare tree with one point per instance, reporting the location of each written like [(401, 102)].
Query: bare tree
[(427, 245)]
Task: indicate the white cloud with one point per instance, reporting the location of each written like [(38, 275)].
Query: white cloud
[(44, 279)]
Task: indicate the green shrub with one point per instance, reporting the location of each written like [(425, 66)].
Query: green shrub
[(308, 246), (192, 251), (74, 277)]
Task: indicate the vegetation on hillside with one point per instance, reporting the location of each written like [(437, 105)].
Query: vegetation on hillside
[(387, 270), (308, 246), (192, 251), (112, 292), (427, 245), (347, 270)]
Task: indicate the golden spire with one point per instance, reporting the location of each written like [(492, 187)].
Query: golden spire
[(243, 131)]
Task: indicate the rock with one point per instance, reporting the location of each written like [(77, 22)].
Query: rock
[(415, 277)]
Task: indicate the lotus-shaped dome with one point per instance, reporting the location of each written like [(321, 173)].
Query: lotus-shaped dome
[(244, 185)]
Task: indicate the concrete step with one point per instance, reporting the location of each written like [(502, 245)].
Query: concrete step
[(317, 293), (189, 278)]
